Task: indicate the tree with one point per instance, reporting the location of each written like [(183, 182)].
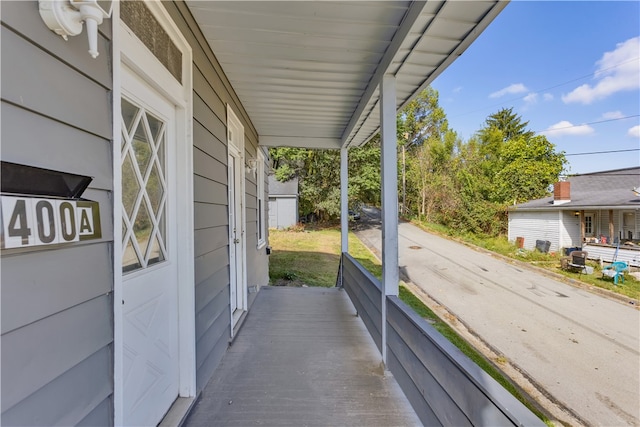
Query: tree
[(422, 127), (318, 174), (519, 165), (509, 124)]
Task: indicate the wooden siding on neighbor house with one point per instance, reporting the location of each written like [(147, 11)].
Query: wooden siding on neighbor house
[(535, 226), (211, 94), (57, 308)]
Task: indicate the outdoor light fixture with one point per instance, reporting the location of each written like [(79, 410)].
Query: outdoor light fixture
[(65, 18), (252, 166), (636, 191), (576, 213)]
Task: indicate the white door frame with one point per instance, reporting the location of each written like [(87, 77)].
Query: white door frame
[(128, 50), (235, 147)]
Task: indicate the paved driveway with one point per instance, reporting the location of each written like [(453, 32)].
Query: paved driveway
[(582, 348)]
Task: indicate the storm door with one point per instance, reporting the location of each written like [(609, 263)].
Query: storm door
[(149, 267)]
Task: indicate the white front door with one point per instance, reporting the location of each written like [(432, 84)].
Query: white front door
[(149, 264), (235, 165)]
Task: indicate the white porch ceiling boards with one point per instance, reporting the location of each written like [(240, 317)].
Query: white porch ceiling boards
[(307, 72)]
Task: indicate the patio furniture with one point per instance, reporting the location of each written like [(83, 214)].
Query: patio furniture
[(577, 261), (615, 271)]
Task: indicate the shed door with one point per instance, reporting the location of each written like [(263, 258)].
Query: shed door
[(149, 267)]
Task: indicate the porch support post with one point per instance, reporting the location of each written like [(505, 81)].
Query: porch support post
[(611, 231), (389, 166), (344, 199), (582, 226)]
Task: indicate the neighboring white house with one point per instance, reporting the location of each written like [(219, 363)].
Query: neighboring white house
[(596, 211), (283, 203)]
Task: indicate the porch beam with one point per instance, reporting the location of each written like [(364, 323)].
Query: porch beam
[(389, 167), (414, 12), (344, 199), (300, 141)]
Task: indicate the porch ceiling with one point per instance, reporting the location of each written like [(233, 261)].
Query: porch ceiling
[(307, 72)]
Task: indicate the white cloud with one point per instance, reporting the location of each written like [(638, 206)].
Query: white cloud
[(509, 90), (612, 115), (634, 132), (548, 97), (617, 71), (457, 89), (531, 98), (567, 128)]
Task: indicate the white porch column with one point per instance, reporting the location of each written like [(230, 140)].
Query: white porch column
[(389, 166), (344, 199)]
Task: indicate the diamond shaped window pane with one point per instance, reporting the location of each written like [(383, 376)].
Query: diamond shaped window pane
[(155, 253), (130, 186), (130, 260), (155, 125), (154, 188), (142, 227), (129, 112), (161, 150), (142, 148)]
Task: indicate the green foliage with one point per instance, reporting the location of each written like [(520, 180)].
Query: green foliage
[(464, 185), (318, 173)]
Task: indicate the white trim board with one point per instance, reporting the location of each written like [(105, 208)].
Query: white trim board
[(128, 50)]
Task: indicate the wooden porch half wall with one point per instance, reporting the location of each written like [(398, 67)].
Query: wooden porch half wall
[(443, 385)]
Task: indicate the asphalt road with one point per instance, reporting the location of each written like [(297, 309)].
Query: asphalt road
[(582, 348)]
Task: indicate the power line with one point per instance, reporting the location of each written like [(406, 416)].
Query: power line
[(548, 88), (590, 123), (603, 152)]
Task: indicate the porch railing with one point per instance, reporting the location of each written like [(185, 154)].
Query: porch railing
[(443, 385)]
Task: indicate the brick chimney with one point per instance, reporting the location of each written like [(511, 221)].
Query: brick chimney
[(561, 192)]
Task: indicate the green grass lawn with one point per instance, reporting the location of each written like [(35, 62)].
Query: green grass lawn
[(312, 258)]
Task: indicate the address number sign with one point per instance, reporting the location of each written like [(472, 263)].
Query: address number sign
[(30, 221)]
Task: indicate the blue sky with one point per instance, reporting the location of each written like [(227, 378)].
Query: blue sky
[(572, 69)]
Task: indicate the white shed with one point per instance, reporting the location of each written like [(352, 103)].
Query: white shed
[(283, 203)]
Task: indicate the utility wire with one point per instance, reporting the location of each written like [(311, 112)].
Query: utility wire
[(548, 88), (590, 123), (603, 152)]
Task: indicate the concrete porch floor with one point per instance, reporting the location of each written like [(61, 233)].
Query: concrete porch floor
[(302, 358)]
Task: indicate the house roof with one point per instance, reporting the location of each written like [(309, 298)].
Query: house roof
[(307, 72), (279, 188), (606, 189)]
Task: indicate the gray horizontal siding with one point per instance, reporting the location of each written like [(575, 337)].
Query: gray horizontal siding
[(25, 133), (55, 345), (442, 384), (69, 398), (365, 294), (210, 239), (30, 294), (97, 417), (208, 215), (57, 308), (23, 85), (23, 18)]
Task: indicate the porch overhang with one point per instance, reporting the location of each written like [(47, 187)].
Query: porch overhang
[(308, 73)]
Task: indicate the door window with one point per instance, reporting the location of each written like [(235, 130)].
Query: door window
[(144, 188)]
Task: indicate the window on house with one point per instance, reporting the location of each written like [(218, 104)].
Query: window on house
[(261, 208)]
